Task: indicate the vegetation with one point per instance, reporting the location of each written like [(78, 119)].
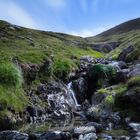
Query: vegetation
[(10, 75), (100, 73), (133, 82)]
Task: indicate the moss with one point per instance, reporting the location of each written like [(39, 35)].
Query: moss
[(133, 82), (103, 91)]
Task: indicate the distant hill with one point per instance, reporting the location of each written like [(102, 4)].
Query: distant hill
[(125, 27)]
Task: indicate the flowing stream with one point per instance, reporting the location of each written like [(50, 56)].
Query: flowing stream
[(72, 94)]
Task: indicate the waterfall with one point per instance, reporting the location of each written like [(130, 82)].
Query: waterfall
[(72, 94)]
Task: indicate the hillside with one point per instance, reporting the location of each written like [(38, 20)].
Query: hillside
[(131, 25), (119, 38)]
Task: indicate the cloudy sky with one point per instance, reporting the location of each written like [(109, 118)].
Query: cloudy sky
[(78, 17)]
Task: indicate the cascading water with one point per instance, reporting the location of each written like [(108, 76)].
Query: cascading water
[(72, 94)]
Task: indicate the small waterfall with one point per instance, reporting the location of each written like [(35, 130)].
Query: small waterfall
[(115, 65), (72, 94)]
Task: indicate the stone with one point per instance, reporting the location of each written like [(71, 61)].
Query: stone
[(89, 136), (98, 127), (135, 127), (135, 71), (13, 135), (80, 88), (54, 135), (77, 131), (124, 138)]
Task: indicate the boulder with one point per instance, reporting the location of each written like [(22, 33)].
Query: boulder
[(135, 71), (54, 135), (81, 130), (13, 135), (80, 88), (89, 136), (98, 127)]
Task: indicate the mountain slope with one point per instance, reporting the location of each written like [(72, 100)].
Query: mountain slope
[(131, 25), (33, 46), (124, 35)]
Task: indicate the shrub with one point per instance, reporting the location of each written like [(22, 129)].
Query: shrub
[(10, 75), (100, 70), (133, 82), (100, 75)]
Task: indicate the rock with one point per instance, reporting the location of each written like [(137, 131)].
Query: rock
[(129, 100), (87, 59), (80, 88), (97, 126), (54, 135), (98, 98), (135, 138), (93, 113), (124, 138), (32, 111), (6, 123), (45, 70), (124, 54), (77, 131), (30, 72), (135, 127), (89, 136), (13, 135), (105, 137), (135, 71)]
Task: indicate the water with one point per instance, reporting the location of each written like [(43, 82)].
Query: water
[(115, 64), (72, 94)]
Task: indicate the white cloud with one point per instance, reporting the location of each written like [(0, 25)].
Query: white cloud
[(57, 4), (89, 32), (16, 14)]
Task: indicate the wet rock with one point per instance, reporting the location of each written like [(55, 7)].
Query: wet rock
[(135, 127), (13, 135), (54, 135), (135, 71), (77, 131), (105, 137), (89, 136), (124, 138), (80, 88), (97, 126), (135, 138)]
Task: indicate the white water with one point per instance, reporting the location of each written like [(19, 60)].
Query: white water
[(72, 94), (115, 64)]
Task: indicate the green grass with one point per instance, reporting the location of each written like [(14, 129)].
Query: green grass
[(133, 82), (11, 92), (63, 47), (10, 75)]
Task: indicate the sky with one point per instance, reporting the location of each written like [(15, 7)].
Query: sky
[(78, 17)]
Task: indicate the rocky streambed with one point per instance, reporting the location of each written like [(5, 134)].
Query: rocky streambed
[(95, 103)]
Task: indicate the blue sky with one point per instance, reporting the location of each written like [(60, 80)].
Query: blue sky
[(78, 17)]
